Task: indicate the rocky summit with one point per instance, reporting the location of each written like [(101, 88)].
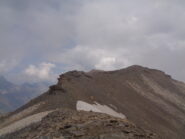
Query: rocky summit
[(130, 103)]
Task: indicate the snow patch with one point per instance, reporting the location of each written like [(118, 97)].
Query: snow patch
[(23, 123), (20, 115), (81, 105)]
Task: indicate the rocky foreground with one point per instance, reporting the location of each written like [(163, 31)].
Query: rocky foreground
[(69, 124)]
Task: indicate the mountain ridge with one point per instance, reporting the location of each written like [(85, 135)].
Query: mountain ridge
[(148, 97)]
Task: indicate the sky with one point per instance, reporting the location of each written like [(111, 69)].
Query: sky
[(40, 39)]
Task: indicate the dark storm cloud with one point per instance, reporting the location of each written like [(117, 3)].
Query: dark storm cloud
[(86, 34)]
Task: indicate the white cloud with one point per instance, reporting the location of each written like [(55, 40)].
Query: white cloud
[(106, 63), (7, 65), (91, 57), (42, 71)]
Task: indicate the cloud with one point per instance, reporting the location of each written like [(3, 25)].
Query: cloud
[(7, 65), (42, 72), (90, 57), (106, 63), (86, 34)]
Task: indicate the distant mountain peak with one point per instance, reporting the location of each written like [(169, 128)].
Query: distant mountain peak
[(4, 83), (2, 78)]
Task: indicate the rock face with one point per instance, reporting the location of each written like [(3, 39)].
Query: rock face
[(149, 98), (68, 124)]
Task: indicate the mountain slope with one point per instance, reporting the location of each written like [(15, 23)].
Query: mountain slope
[(147, 97)]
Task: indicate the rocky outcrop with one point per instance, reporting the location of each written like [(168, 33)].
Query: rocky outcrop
[(68, 124)]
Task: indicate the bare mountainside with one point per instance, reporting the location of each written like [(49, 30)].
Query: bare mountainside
[(149, 98)]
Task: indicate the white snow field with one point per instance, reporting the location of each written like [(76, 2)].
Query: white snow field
[(84, 106)]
